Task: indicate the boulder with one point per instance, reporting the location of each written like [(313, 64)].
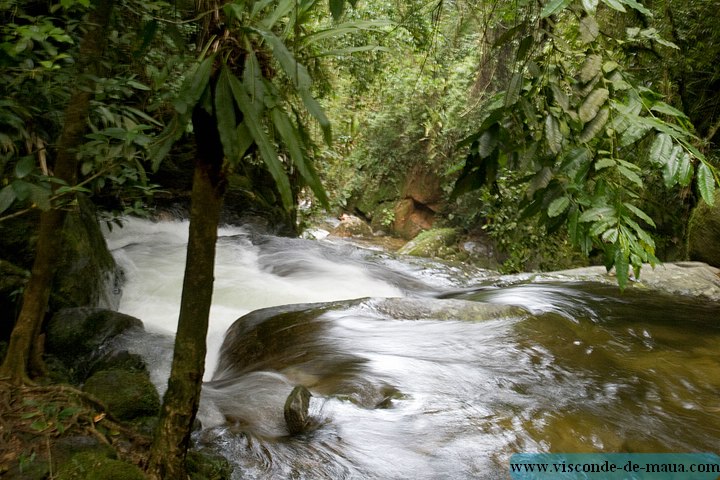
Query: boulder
[(79, 337), (296, 410), (352, 226), (437, 243), (411, 218), (704, 233)]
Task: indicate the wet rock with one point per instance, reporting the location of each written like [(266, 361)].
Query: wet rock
[(411, 218), (695, 279), (79, 336), (296, 410), (437, 243), (352, 226), (206, 465)]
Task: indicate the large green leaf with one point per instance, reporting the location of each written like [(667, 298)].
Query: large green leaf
[(554, 6), (268, 153), (615, 4), (592, 104), (225, 113), (590, 6), (595, 125), (660, 149), (671, 166), (622, 267), (558, 206), (513, 90), (706, 183), (293, 143), (552, 134), (7, 197)]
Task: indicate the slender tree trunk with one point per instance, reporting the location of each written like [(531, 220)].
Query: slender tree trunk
[(37, 292), (180, 404)]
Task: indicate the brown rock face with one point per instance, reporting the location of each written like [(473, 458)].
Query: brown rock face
[(412, 218)]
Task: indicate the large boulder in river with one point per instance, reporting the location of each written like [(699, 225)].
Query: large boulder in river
[(436, 243), (352, 226), (704, 233)]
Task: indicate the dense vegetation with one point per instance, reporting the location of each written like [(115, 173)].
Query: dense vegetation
[(582, 125)]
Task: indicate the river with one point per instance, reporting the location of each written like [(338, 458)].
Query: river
[(412, 375)]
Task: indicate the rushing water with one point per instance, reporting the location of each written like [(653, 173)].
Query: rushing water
[(422, 380)]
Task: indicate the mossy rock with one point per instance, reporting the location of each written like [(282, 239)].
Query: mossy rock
[(435, 243), (97, 466), (704, 233), (77, 335), (126, 394), (205, 465)]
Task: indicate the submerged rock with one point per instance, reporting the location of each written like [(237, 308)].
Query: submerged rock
[(296, 410), (695, 279)]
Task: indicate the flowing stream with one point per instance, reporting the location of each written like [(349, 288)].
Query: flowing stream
[(413, 374)]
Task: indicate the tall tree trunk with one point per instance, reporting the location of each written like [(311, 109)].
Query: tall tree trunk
[(180, 404), (37, 292)]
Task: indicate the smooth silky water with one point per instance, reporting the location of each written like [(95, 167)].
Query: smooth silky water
[(421, 380)]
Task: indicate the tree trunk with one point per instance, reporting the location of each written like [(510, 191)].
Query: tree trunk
[(37, 292), (180, 404)]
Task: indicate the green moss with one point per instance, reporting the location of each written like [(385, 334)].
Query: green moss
[(127, 394), (435, 243), (203, 465), (96, 466)]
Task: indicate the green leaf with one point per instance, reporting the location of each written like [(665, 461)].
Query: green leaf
[(685, 170), (589, 28), (553, 137), (660, 149), (706, 183), (663, 107), (671, 166), (590, 6), (615, 4), (595, 126), (268, 153), (488, 141), (637, 6), (7, 197), (605, 163), (610, 236), (554, 6), (293, 142), (640, 213), (591, 67), (622, 268), (630, 175), (24, 166), (558, 206), (225, 113), (539, 181), (634, 132), (598, 213), (513, 90), (592, 104)]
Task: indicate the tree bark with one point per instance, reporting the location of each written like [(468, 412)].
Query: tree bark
[(180, 404), (37, 292)]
